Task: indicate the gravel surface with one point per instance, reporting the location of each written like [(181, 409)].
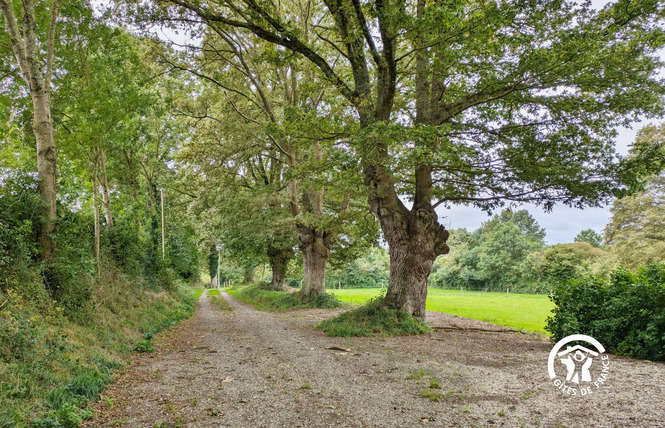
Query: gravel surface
[(245, 368)]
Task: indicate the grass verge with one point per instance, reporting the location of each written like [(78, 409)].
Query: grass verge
[(271, 300), (214, 292), (373, 319), (54, 362)]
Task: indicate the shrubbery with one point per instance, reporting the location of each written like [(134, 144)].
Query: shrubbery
[(625, 313), (61, 328), (19, 215)]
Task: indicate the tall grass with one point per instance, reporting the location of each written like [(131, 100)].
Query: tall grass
[(53, 362), (373, 319)]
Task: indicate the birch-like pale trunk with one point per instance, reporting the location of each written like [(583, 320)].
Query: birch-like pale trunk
[(106, 200), (37, 76)]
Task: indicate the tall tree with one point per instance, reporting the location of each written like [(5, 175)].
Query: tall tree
[(514, 101), (589, 236), (284, 109), (636, 232), (36, 69)]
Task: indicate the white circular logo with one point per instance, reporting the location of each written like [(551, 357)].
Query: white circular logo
[(582, 369)]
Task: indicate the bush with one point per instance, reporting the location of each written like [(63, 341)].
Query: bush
[(144, 346), (626, 314), (20, 206)]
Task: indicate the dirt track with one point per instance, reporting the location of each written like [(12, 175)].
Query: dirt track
[(245, 368)]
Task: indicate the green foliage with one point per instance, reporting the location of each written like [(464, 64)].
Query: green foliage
[(625, 313), (19, 207), (126, 248), (144, 346), (563, 262), (589, 236), (271, 300), (212, 261), (373, 319), (371, 270), (495, 257), (184, 252), (636, 232)]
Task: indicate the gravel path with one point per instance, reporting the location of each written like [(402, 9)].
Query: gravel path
[(244, 368)]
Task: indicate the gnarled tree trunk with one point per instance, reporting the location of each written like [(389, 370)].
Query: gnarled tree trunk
[(415, 239), (315, 249), (279, 259)]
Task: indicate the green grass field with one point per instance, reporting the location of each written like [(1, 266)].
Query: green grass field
[(521, 311)]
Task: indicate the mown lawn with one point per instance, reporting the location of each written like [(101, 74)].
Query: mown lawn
[(521, 311)]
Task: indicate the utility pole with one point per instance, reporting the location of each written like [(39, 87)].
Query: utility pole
[(163, 229)]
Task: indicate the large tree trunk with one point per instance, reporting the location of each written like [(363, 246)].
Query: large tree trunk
[(315, 252), (248, 274), (414, 236), (279, 259), (415, 240)]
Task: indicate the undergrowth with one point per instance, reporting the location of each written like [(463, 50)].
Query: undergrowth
[(373, 319), (271, 300), (54, 361)]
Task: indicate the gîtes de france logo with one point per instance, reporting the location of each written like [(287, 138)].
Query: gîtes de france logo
[(582, 369)]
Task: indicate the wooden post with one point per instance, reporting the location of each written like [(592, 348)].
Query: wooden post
[(507, 292), (163, 229)]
